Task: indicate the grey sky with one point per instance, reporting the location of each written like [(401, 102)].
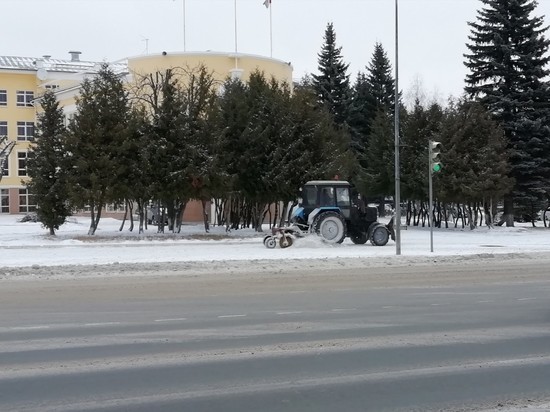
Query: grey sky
[(433, 33)]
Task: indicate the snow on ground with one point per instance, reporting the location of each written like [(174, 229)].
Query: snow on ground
[(26, 247)]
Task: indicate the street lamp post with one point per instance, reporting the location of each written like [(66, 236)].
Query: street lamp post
[(397, 143)]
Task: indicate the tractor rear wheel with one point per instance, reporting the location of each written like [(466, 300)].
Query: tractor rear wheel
[(379, 236), (331, 226)]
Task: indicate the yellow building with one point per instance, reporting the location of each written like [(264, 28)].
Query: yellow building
[(23, 79)]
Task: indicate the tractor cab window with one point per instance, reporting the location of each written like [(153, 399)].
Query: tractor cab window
[(327, 196), (342, 196), (309, 196)]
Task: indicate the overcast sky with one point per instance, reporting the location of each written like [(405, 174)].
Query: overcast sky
[(432, 41)]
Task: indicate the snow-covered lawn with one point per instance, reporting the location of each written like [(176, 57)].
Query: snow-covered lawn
[(28, 245)]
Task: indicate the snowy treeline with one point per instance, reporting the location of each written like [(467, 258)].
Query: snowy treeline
[(177, 135)]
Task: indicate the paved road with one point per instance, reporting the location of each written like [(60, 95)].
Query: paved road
[(413, 338)]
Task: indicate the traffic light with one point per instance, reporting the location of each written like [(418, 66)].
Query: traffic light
[(435, 161)]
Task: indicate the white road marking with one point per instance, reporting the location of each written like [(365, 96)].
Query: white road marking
[(289, 313), (485, 301), (344, 310), (387, 307), (231, 316), (527, 299), (30, 327), (102, 324), (170, 320)]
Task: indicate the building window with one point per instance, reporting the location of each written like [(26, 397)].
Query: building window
[(25, 98), (5, 166), (26, 201), (4, 201), (3, 128), (3, 98), (22, 158), (25, 131)]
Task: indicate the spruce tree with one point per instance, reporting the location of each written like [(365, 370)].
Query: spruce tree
[(380, 82), (332, 84), (47, 167), (419, 126), (134, 170), (201, 116), (474, 156), (97, 131), (507, 60), (380, 173), (373, 94), (360, 114)]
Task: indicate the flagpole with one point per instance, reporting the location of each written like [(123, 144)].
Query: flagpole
[(235, 7), (270, 30), (184, 31)]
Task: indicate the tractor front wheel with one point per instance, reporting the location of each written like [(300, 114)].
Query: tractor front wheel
[(379, 235), (331, 226)]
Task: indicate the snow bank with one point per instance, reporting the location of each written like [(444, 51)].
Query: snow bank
[(27, 250)]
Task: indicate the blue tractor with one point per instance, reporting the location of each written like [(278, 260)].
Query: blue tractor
[(332, 210)]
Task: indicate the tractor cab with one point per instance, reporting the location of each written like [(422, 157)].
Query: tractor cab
[(327, 194)]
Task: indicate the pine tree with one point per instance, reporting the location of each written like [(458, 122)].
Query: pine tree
[(507, 59), (47, 167), (332, 84)]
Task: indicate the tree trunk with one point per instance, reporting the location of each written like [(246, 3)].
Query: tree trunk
[(488, 210), (227, 214), (142, 212), (178, 217), (97, 216), (130, 206), (92, 228), (205, 216), (124, 218), (409, 213), (508, 216), (160, 217)]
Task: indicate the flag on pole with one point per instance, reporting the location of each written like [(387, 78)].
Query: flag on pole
[(267, 3)]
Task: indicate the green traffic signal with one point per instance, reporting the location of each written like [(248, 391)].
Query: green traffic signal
[(434, 149)]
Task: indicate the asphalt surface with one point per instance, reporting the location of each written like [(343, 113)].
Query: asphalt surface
[(416, 338)]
